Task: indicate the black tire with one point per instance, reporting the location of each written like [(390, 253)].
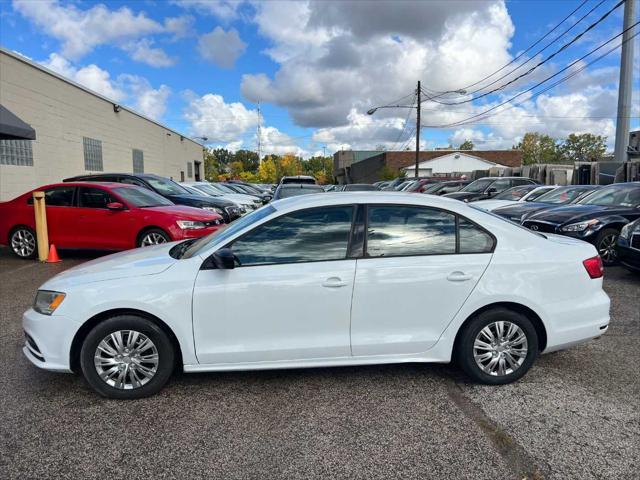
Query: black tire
[(162, 344), (23, 230), (152, 232), (464, 350), (605, 243)]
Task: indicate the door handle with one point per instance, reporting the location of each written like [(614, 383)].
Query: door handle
[(334, 282), (459, 277)]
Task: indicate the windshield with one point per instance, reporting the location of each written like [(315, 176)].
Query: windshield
[(514, 193), (164, 186), (295, 191), (478, 186), (222, 188), (208, 189), (228, 230), (534, 195), (141, 197), (561, 195), (615, 196)]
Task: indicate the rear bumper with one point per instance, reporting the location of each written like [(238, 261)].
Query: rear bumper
[(572, 323)]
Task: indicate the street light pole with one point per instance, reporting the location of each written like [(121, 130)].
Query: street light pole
[(418, 132)]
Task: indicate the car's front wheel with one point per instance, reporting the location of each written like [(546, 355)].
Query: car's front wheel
[(153, 236), (127, 357), (606, 245), (498, 346)]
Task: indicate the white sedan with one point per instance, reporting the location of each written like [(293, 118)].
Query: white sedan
[(322, 280), (514, 195)]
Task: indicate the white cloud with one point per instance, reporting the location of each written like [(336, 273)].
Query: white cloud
[(223, 9), (144, 52), (180, 27), (80, 31), (147, 100), (273, 141), (210, 116), (220, 47), (131, 90), (91, 76)]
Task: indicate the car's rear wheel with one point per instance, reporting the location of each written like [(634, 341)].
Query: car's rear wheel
[(22, 241), (127, 357), (153, 236), (606, 245), (498, 346)]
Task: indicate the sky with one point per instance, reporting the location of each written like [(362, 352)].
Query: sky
[(307, 72)]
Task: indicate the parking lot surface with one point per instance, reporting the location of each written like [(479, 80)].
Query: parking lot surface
[(576, 414)]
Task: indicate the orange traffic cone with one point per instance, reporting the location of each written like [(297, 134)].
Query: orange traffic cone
[(53, 255)]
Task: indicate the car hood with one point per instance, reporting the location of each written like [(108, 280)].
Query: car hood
[(184, 212), (131, 263), (521, 208), (463, 195), (573, 213), (201, 200), (240, 198), (491, 204)]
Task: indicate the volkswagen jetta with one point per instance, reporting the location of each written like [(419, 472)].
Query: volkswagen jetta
[(323, 280)]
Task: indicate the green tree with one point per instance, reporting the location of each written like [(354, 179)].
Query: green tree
[(466, 145), (211, 166), (585, 147), (223, 157), (236, 168), (538, 148), (249, 159), (267, 171)]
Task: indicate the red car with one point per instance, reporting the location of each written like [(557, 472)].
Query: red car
[(101, 216)]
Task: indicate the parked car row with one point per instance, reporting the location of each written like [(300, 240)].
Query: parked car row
[(118, 211)]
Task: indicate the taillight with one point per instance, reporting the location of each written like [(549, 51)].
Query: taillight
[(594, 267)]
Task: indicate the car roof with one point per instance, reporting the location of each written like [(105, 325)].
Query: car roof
[(80, 183), (376, 197)]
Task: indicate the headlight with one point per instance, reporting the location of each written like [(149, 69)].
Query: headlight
[(580, 226), (189, 225), (219, 211), (47, 301), (626, 231)]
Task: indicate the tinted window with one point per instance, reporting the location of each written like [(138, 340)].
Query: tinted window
[(318, 234), (94, 198), (619, 196), (562, 195), (500, 185), (58, 197), (132, 181), (473, 239), (165, 186), (478, 186), (514, 193), (521, 181), (395, 231)]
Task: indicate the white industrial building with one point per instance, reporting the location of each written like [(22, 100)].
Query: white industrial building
[(451, 162), (78, 131)]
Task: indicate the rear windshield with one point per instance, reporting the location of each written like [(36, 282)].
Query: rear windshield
[(478, 185), (295, 191), (561, 195), (615, 196)]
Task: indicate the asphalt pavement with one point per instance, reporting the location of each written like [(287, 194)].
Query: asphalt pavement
[(574, 415)]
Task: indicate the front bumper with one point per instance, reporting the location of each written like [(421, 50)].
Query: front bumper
[(587, 235), (629, 257), (48, 340)]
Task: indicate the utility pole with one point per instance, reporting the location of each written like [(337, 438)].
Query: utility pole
[(324, 151), (624, 88), (418, 132)]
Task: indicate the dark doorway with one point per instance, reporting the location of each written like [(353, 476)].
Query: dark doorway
[(196, 173)]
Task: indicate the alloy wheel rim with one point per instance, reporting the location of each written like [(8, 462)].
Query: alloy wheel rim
[(153, 238), (23, 243), (607, 248), (500, 348), (126, 359)]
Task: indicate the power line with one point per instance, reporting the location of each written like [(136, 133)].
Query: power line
[(454, 124), (406, 122), (533, 45), (542, 62)]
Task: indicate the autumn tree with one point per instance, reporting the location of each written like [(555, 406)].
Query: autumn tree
[(249, 159), (585, 147), (267, 171)]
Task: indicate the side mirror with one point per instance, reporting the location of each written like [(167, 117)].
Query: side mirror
[(491, 191), (115, 206), (224, 259)]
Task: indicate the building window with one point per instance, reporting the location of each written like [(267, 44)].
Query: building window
[(92, 154), (138, 161), (16, 152), (189, 169), (182, 175)]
